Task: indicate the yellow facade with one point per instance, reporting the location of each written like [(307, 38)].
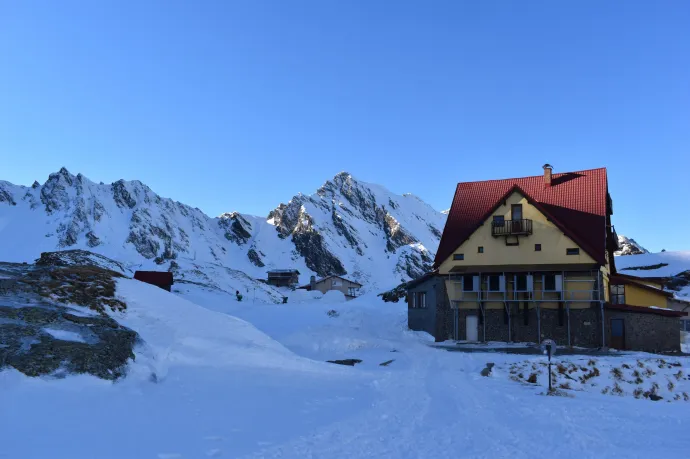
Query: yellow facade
[(639, 296), (496, 253)]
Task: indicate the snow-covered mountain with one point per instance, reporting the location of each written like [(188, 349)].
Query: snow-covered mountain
[(347, 227), (629, 247)]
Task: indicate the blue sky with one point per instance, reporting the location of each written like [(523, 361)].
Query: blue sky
[(238, 105)]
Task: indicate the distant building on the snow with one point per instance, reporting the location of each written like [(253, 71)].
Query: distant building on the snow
[(162, 279), (348, 287), (283, 277)]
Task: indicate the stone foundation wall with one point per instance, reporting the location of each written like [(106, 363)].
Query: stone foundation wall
[(646, 332)]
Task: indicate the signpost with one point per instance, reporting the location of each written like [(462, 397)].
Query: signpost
[(549, 346)]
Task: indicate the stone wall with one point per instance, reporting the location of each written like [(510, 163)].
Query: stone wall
[(646, 332), (643, 331)]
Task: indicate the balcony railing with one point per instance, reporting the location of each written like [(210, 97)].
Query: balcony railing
[(511, 228)]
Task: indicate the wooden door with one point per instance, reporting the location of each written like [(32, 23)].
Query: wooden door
[(617, 334)]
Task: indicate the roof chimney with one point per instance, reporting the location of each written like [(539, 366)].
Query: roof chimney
[(312, 283), (547, 174)]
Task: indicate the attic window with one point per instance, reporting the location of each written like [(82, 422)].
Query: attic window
[(480, 249), (537, 247), (458, 256), (572, 251)]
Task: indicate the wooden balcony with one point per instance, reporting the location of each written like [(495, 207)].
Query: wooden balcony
[(511, 228)]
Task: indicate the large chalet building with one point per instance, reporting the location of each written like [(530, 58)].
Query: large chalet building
[(531, 258)]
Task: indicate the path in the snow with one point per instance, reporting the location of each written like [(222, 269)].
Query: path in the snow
[(441, 407)]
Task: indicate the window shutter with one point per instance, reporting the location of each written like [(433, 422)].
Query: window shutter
[(559, 282), (410, 300), (475, 283), (530, 282), (501, 283)]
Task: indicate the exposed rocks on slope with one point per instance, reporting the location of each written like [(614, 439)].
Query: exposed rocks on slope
[(42, 335), (236, 228), (255, 258)]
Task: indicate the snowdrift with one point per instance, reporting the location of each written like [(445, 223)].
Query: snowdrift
[(177, 332)]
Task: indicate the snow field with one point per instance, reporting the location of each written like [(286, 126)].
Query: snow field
[(244, 380)]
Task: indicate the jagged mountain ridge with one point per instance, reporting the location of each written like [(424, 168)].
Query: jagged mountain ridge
[(346, 227), (629, 246)]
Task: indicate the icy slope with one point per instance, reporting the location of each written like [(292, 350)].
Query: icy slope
[(346, 227)]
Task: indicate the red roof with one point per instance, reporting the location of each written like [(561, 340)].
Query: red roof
[(646, 310), (575, 202), (163, 278)]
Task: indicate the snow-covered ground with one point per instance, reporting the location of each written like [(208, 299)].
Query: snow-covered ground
[(243, 380)]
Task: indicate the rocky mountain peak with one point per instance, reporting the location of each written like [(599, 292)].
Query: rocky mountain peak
[(629, 246)]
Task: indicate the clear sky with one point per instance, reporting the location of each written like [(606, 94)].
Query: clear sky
[(237, 105)]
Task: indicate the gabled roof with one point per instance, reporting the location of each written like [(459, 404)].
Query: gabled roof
[(154, 277), (575, 202)]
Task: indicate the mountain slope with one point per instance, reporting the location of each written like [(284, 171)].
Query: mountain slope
[(347, 227)]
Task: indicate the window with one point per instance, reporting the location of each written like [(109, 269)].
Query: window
[(549, 282), (618, 294), (336, 283), (494, 283), (505, 316), (574, 251), (537, 247), (458, 256), (521, 283), (352, 291), (561, 315), (419, 300), (468, 283), (480, 249), (498, 220)]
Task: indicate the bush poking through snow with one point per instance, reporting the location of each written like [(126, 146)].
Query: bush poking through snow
[(333, 313), (615, 377), (617, 390)]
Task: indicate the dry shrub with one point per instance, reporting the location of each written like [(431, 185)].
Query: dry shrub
[(637, 393), (617, 390), (686, 397), (562, 369), (626, 366), (640, 364), (605, 390), (671, 386), (679, 375), (532, 378), (591, 362), (617, 373), (565, 385), (649, 372)]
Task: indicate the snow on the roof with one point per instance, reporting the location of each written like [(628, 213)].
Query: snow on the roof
[(664, 264)]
